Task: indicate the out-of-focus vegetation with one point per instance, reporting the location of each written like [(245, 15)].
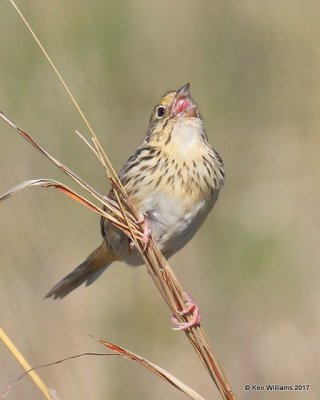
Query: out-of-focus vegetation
[(254, 69)]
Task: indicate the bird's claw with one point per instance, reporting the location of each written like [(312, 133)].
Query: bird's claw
[(146, 231), (191, 307)]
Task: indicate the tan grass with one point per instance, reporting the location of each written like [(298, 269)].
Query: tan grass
[(4, 338)]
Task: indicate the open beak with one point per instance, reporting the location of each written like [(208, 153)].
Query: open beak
[(184, 91), (183, 105)]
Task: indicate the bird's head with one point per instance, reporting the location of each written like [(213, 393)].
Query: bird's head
[(173, 107)]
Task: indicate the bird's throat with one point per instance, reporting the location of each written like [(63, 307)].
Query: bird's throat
[(186, 136)]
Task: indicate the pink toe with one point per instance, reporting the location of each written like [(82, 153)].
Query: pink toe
[(191, 307), (146, 231)]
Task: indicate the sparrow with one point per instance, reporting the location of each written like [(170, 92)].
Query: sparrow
[(173, 179)]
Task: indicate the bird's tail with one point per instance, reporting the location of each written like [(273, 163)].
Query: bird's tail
[(88, 271)]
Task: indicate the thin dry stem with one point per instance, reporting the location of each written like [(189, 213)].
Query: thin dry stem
[(117, 351), (109, 204), (160, 372), (25, 365), (110, 167)]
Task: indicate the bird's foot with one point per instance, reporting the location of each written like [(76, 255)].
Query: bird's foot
[(191, 308), (146, 231)]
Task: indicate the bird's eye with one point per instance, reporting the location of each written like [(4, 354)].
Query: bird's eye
[(160, 111)]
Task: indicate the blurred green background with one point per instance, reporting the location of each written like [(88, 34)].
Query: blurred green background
[(253, 268)]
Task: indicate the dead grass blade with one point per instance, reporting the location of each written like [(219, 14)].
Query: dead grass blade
[(160, 372), (104, 159), (126, 223), (25, 365), (50, 183), (31, 371), (117, 352), (107, 202)]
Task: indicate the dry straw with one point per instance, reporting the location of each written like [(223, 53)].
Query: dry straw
[(122, 214), (25, 365)]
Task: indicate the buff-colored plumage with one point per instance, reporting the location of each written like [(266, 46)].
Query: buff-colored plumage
[(173, 179)]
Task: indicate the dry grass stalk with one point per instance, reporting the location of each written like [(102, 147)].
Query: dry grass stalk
[(160, 372), (126, 218), (117, 351), (25, 365)]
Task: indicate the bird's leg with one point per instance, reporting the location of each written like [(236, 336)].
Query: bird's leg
[(142, 219), (191, 308), (146, 232)]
